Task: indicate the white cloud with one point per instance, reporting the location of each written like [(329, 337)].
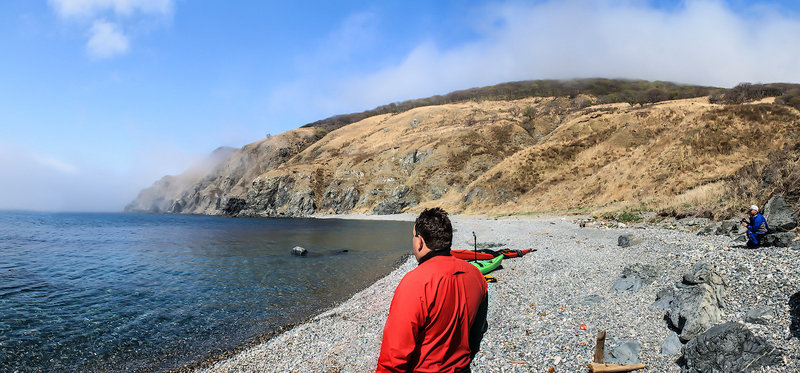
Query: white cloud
[(106, 40), (91, 8), (703, 42)]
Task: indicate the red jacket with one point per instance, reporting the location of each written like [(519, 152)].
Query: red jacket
[(437, 318)]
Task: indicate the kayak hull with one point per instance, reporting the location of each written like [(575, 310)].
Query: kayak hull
[(487, 254), (471, 255), (486, 266)]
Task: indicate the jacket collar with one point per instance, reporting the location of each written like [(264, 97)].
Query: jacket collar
[(433, 254)]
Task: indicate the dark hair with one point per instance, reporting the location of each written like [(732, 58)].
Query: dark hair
[(435, 228)]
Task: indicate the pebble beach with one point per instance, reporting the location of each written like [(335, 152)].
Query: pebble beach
[(547, 307)]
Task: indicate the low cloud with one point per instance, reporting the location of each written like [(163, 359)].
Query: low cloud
[(701, 42), (42, 182), (91, 8), (107, 40)]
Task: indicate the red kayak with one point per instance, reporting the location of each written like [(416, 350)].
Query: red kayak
[(487, 254)]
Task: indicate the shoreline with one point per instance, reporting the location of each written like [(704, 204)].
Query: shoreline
[(541, 299)]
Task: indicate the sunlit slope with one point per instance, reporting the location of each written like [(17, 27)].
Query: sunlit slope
[(540, 154)]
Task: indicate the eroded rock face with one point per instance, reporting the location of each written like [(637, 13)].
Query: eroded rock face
[(694, 304), (285, 195), (400, 198), (339, 198), (728, 347)]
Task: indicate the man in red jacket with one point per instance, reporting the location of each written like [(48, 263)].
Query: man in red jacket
[(438, 313)]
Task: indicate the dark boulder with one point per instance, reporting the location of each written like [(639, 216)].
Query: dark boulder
[(728, 347), (794, 314), (694, 304), (627, 240), (778, 239), (780, 217)]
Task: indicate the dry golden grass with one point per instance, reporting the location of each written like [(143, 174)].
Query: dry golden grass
[(555, 154)]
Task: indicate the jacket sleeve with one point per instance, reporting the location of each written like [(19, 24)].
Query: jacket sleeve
[(402, 329), (479, 327)]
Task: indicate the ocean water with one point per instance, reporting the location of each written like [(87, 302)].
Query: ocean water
[(145, 293)]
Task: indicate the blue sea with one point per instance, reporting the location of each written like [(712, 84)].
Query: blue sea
[(151, 293)]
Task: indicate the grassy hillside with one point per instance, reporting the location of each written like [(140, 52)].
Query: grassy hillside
[(609, 147)]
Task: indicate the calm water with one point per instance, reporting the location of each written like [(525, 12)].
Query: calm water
[(127, 292)]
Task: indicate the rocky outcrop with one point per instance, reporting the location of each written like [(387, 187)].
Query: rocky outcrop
[(284, 195), (694, 304), (781, 219), (219, 186), (400, 198), (728, 347), (780, 216)]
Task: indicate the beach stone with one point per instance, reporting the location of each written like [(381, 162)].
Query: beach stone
[(728, 347), (592, 299), (646, 272), (627, 284), (691, 224), (761, 315), (671, 345), (780, 217), (299, 251), (635, 276), (625, 353), (627, 240)]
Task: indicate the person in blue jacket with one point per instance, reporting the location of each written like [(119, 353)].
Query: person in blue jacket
[(756, 228)]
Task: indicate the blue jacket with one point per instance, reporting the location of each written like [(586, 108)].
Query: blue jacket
[(758, 224)]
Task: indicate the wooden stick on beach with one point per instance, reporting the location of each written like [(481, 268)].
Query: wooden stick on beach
[(599, 365)]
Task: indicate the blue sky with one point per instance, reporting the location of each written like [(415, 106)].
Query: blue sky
[(99, 98)]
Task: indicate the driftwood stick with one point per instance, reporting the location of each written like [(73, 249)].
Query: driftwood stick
[(611, 368), (600, 347)]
